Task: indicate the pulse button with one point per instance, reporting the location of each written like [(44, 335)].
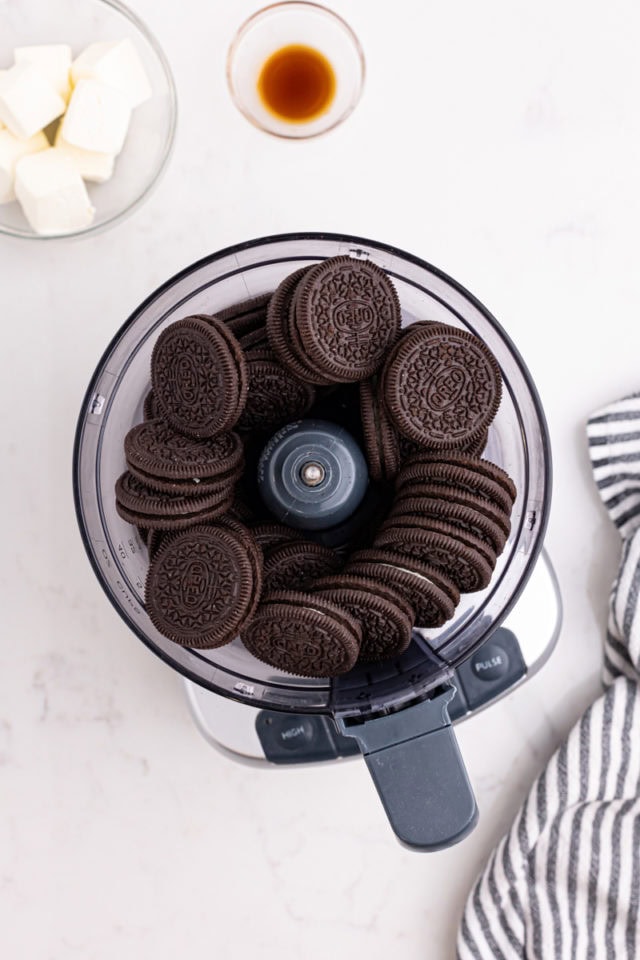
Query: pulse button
[(492, 669), (490, 663)]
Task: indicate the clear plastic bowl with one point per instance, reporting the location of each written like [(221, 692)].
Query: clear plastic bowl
[(518, 441), (153, 124)]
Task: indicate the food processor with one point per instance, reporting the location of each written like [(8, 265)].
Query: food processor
[(397, 714)]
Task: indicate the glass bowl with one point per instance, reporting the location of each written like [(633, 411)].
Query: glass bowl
[(294, 24), (153, 124)]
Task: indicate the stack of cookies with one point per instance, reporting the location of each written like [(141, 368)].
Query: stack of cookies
[(328, 342)]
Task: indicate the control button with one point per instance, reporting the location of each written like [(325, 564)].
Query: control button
[(296, 735), (490, 663), (294, 738), (491, 669)]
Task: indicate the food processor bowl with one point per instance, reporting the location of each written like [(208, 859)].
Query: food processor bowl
[(518, 442)]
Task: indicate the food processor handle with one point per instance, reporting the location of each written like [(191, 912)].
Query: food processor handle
[(415, 762)]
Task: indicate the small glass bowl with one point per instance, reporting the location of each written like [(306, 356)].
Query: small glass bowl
[(294, 23), (153, 124)]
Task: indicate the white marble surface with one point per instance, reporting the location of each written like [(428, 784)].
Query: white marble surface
[(500, 141)]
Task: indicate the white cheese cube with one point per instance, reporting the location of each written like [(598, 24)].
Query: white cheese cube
[(28, 102), (53, 60), (52, 194), (11, 150), (117, 64), (97, 117), (93, 166), (2, 125)]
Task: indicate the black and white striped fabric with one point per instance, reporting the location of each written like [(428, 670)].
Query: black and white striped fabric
[(565, 881)]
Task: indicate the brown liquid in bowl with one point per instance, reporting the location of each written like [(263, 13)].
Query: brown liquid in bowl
[(297, 83)]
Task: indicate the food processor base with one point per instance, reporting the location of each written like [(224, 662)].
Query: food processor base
[(513, 654)]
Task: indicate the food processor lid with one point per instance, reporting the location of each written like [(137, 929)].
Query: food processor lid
[(369, 694)]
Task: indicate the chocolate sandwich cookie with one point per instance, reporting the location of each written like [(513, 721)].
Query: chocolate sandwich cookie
[(143, 506), (202, 587), (437, 575), (155, 540), (347, 316), (254, 306), (261, 352), (481, 468), (494, 512), (157, 453), (277, 329), (476, 539), (380, 437), (476, 445), (293, 565), (305, 635), (311, 373), (275, 397), (419, 583), (254, 339), (268, 535), (420, 509), (240, 510), (461, 556), (384, 614), (244, 536), (441, 385), (199, 376), (423, 469), (149, 407)]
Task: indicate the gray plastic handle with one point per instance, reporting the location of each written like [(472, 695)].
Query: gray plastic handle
[(415, 762)]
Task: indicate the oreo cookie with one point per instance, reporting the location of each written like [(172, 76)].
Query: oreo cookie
[(167, 460), (275, 397), (478, 477), (294, 564), (432, 595), (384, 614), (380, 438), (303, 635), (461, 556), (421, 510), (150, 407), (203, 586), (240, 510), (441, 385), (268, 535), (152, 509), (347, 317), (415, 492), (278, 333), (199, 376), (245, 315)]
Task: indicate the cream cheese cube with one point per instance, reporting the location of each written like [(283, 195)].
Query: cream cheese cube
[(53, 60), (117, 64), (97, 117), (28, 102), (93, 166), (52, 194), (11, 150)]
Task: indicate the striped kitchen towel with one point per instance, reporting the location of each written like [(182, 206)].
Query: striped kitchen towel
[(565, 881)]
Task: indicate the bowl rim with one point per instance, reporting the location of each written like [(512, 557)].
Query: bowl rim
[(96, 228)]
